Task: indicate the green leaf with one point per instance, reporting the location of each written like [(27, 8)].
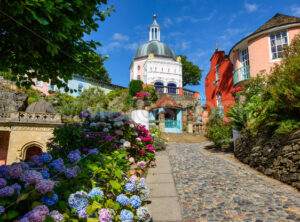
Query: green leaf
[(22, 196), (89, 210), (43, 21), (12, 214), (49, 219), (96, 205), (92, 220), (115, 184)]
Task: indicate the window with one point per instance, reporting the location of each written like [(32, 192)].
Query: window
[(278, 41), (217, 73), (139, 77), (244, 57), (138, 67), (80, 87), (219, 99), (38, 83)]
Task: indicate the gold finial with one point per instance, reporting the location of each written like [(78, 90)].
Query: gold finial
[(154, 16), (217, 47), (178, 59), (151, 56)]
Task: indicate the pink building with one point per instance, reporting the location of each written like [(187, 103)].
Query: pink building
[(262, 49), (41, 86)]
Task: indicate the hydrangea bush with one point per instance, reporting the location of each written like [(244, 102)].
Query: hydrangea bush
[(92, 172)]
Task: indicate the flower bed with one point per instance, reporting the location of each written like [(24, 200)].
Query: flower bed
[(94, 171)]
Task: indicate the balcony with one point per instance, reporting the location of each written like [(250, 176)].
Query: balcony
[(241, 74)]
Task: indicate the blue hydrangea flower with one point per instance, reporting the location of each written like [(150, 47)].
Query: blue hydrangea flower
[(93, 151), (74, 156), (45, 158), (45, 174), (56, 216), (78, 201), (2, 209), (122, 199), (126, 215), (81, 213), (2, 170), (143, 180), (96, 192), (49, 201), (71, 172), (129, 187), (2, 182), (135, 201), (58, 165)]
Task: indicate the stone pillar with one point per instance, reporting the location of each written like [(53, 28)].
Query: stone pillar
[(190, 127), (162, 121)]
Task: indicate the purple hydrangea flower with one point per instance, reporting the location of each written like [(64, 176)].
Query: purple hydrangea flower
[(74, 156), (96, 192), (129, 187), (122, 199), (78, 200), (16, 186), (135, 201), (133, 179), (2, 209), (56, 216), (36, 160), (81, 213), (126, 215), (58, 165), (6, 191), (14, 171), (71, 172), (44, 186), (143, 180), (24, 165), (38, 214), (31, 176), (104, 215), (2, 182), (45, 158), (93, 151), (50, 199)]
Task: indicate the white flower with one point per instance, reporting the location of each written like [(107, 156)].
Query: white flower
[(118, 123), (105, 130), (93, 124), (143, 214), (131, 125), (122, 141), (126, 144), (138, 139)]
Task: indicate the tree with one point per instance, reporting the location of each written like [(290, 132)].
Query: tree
[(45, 40), (135, 86), (191, 74)]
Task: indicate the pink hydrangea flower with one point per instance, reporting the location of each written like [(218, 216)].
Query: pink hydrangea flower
[(38, 214), (141, 164), (104, 215)]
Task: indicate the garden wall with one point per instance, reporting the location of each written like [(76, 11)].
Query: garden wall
[(278, 158)]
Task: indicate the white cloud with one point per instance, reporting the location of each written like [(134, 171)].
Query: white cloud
[(295, 10), (229, 32), (195, 20), (109, 47), (131, 46), (120, 37), (251, 7), (167, 22)]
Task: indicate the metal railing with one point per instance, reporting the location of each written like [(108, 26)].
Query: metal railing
[(241, 74), (172, 124)]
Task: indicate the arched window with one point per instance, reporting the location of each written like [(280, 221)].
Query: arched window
[(139, 77), (171, 89), (31, 151), (138, 67), (159, 86)]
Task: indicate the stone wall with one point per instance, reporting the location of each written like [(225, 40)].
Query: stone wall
[(275, 157), (12, 101)]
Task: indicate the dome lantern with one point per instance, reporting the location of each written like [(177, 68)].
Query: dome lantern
[(154, 30)]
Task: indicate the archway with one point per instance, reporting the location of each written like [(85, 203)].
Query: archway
[(172, 88), (31, 151), (159, 86)]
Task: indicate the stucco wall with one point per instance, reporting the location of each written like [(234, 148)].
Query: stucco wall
[(44, 88), (22, 138), (260, 53), (135, 72)]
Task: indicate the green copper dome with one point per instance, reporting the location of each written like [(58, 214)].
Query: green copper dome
[(157, 48)]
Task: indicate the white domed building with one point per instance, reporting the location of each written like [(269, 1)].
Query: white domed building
[(156, 64)]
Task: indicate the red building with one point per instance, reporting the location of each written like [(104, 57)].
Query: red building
[(219, 82)]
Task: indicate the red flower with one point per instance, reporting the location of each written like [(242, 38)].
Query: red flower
[(142, 152)]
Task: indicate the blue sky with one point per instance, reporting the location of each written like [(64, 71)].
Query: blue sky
[(189, 27)]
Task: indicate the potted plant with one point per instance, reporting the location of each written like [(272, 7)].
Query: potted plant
[(141, 99)]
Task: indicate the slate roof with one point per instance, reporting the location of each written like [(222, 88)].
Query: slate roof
[(278, 20)]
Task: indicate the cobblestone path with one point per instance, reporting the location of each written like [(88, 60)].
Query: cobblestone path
[(215, 187)]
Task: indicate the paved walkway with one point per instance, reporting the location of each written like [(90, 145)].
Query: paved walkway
[(164, 206), (216, 187)]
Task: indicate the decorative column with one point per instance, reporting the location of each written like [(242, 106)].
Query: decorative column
[(162, 121)]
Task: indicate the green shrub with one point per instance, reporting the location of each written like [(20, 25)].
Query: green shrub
[(115, 93), (135, 86), (218, 131), (152, 92), (158, 142)]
